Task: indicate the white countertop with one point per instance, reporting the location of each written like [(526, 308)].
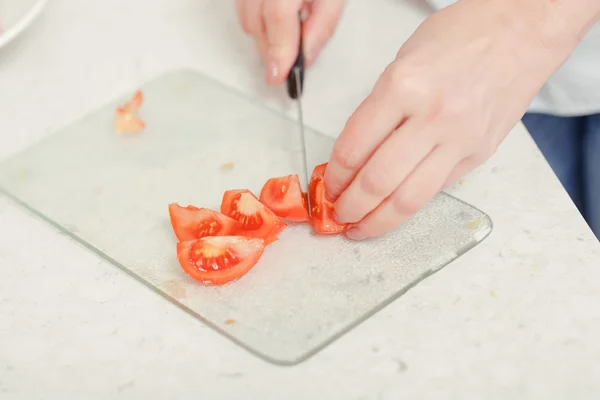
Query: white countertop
[(517, 317)]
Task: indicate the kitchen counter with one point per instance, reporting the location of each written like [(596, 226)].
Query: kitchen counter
[(517, 317)]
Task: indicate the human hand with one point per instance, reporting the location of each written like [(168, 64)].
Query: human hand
[(275, 27), (456, 89)]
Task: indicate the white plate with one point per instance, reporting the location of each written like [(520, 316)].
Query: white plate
[(16, 15)]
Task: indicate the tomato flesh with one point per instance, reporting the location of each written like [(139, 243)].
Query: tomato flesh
[(255, 219), (194, 223), (216, 260), (133, 105), (126, 120), (127, 123), (285, 198), (322, 212)]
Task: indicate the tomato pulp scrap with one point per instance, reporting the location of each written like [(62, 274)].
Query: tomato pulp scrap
[(255, 219), (126, 119), (284, 196), (322, 212), (194, 223), (219, 259)]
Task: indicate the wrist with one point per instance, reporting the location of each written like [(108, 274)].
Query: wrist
[(559, 25)]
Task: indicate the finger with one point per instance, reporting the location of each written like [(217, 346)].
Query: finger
[(282, 24), (253, 10), (254, 26), (461, 169), (261, 48), (416, 191), (372, 122), (387, 168), (320, 26), (240, 6)]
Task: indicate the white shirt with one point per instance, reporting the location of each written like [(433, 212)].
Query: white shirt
[(575, 88)]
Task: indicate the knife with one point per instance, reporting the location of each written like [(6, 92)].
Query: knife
[(295, 85)]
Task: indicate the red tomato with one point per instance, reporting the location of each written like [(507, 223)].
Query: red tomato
[(322, 215), (285, 198), (194, 223), (219, 259), (255, 218)]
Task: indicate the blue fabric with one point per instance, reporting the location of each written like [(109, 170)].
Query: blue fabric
[(572, 147)]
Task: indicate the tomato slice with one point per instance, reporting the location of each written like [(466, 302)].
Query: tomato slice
[(255, 219), (216, 260), (285, 198), (322, 215), (194, 223)]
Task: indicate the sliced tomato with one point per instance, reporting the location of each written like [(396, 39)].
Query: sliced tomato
[(217, 260), (194, 223), (255, 219), (322, 213), (285, 198)]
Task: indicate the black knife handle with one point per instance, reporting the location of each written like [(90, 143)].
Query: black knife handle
[(292, 85)]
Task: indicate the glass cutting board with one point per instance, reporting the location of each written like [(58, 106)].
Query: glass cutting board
[(110, 192)]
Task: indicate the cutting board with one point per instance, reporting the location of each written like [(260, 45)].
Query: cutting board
[(110, 192)]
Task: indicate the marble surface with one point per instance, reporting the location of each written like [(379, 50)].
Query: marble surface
[(517, 317)]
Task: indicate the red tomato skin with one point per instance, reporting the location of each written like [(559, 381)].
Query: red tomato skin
[(191, 222), (322, 213), (262, 223), (284, 196), (242, 252)]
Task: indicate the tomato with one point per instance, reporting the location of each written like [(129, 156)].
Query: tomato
[(322, 213), (126, 119), (285, 198), (219, 259), (255, 219), (194, 223)]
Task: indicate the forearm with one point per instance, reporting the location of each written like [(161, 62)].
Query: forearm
[(541, 34)]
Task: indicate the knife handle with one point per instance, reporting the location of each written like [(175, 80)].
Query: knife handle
[(292, 85)]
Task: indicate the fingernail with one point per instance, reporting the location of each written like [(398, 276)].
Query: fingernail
[(329, 196), (355, 234), (273, 71), (339, 220)]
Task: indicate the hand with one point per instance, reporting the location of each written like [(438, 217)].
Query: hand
[(275, 27), (455, 90)]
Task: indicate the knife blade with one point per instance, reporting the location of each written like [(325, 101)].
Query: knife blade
[(295, 85)]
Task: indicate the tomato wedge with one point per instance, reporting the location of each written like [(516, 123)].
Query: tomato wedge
[(255, 219), (216, 260), (285, 198), (194, 223), (322, 216)]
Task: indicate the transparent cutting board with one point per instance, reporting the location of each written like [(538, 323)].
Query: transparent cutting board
[(110, 192)]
